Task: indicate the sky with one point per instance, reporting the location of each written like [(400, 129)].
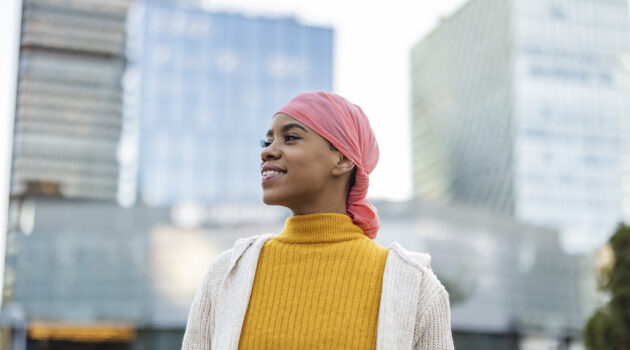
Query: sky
[(372, 47), (9, 29)]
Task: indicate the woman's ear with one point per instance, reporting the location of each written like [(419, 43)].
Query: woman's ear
[(344, 166)]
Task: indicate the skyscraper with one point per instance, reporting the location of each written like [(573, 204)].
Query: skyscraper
[(200, 92), (69, 99), (522, 107)]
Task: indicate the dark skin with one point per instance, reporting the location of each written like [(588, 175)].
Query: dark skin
[(312, 176)]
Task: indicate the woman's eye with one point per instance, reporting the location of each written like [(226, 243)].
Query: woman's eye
[(289, 137)]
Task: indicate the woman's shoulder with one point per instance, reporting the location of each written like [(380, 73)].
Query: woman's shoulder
[(242, 244), (223, 260), (420, 262), (219, 266)]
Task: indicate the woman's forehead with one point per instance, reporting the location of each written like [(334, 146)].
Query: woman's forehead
[(280, 117), (280, 120), (283, 122)]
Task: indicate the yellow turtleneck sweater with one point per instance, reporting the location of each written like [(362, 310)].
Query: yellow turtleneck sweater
[(317, 286)]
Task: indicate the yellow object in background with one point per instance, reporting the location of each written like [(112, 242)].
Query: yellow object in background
[(102, 332)]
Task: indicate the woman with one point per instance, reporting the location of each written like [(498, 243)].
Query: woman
[(322, 283)]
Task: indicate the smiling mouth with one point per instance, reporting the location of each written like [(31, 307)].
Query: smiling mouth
[(269, 175)]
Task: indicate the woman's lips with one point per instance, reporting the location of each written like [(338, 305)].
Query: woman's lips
[(270, 175)]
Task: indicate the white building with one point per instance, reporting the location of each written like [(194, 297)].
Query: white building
[(522, 107)]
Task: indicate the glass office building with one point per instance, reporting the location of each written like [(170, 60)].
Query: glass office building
[(522, 107), (200, 92), (132, 288)]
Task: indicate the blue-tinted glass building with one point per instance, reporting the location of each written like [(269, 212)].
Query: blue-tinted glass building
[(200, 93)]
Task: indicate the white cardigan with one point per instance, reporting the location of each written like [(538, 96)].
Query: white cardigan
[(414, 310)]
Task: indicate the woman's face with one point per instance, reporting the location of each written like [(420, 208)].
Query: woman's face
[(297, 164)]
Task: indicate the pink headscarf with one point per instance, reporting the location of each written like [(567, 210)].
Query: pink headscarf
[(345, 125)]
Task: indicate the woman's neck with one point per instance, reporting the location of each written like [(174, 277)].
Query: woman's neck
[(324, 209), (322, 204), (330, 199)]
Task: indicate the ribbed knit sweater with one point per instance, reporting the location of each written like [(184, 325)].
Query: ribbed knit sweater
[(414, 310), (317, 286)]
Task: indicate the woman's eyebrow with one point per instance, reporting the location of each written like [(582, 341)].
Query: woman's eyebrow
[(286, 127)]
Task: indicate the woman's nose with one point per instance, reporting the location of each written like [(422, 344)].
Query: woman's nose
[(269, 152)]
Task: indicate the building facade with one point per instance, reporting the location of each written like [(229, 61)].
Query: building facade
[(509, 284), (521, 107), (201, 89), (69, 99)]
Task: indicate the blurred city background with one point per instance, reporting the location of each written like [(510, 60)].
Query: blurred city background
[(130, 156)]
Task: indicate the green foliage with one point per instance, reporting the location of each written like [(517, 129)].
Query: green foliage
[(609, 327)]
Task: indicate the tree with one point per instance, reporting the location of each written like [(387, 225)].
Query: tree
[(609, 327)]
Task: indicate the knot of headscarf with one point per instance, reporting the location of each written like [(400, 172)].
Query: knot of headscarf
[(345, 126)]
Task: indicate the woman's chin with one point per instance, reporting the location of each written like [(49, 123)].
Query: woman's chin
[(270, 199), (267, 201)]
